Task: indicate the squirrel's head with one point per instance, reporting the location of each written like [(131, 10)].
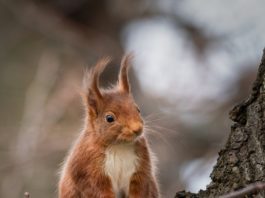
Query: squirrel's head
[(112, 114)]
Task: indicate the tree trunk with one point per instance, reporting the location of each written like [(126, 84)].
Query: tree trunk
[(242, 161)]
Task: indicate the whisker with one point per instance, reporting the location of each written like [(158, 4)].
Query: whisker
[(165, 129), (161, 133), (159, 127), (154, 120), (154, 116), (160, 137), (156, 134)]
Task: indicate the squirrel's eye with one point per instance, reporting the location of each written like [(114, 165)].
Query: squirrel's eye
[(109, 118), (138, 110)]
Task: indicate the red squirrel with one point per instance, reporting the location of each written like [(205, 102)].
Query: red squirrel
[(111, 158)]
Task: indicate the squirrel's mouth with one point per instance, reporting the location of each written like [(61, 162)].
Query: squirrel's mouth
[(128, 137)]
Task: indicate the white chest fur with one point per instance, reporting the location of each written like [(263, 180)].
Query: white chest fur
[(120, 163)]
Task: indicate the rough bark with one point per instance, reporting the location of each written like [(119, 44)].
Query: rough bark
[(242, 160)]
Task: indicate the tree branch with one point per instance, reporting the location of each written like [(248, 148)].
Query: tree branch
[(248, 189)]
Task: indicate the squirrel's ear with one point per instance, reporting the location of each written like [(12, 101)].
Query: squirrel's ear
[(93, 97), (124, 85)]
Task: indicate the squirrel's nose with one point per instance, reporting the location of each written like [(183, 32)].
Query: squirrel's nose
[(137, 129)]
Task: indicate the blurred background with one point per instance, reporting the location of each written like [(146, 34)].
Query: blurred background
[(194, 60)]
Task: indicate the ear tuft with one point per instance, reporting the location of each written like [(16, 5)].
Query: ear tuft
[(91, 77), (124, 85), (98, 69), (91, 85)]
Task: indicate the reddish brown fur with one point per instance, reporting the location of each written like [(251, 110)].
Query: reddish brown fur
[(83, 175)]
